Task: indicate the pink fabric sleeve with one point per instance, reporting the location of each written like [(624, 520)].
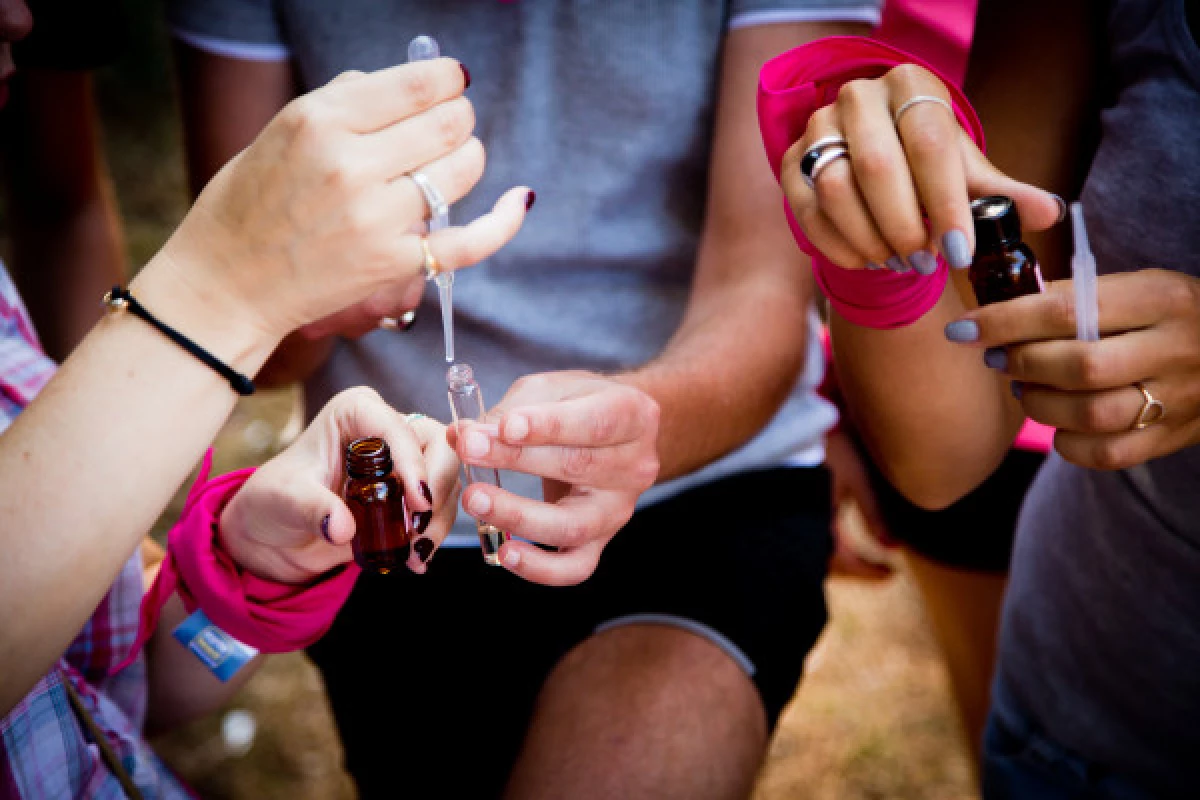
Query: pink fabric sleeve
[(794, 85), (269, 616)]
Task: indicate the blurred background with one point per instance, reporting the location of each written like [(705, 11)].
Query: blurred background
[(873, 718)]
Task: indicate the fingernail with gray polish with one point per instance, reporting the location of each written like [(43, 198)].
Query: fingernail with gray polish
[(956, 249), (871, 265), (962, 330), (995, 357), (1062, 208), (895, 264), (923, 262), (1016, 389)]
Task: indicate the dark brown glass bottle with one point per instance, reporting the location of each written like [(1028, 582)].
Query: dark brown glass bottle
[(376, 499), (1004, 266)]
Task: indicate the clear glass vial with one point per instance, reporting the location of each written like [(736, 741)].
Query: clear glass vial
[(466, 405)]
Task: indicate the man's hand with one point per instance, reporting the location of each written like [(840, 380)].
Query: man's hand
[(592, 440)]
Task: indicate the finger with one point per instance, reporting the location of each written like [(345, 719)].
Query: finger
[(393, 300), (1037, 208), (453, 174), (571, 522), (817, 226), (563, 568), (1125, 301), (463, 246), (360, 412), (626, 466), (329, 517), (426, 137), (1074, 365), (441, 461), (428, 541), (930, 135), (378, 99), (1111, 451), (614, 416), (882, 172), (1109, 411), (841, 201)]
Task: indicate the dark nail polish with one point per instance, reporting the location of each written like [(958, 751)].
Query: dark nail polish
[(421, 520), (1016, 389), (466, 76), (325, 528), (995, 357), (530, 199), (426, 492), (423, 547), (1062, 209), (962, 330)]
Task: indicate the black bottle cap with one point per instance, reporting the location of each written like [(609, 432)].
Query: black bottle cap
[(996, 222)]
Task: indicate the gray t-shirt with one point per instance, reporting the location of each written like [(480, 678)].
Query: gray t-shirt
[(1101, 632), (606, 109)]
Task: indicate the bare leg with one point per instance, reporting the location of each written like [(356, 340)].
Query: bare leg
[(964, 610), (643, 711)]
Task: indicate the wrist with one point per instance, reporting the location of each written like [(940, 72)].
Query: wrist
[(212, 316)]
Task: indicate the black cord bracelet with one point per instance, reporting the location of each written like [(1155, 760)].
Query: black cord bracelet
[(118, 298)]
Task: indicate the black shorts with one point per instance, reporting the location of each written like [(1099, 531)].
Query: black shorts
[(976, 533), (432, 678)]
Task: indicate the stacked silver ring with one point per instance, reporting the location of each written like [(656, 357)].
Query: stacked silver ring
[(819, 155)]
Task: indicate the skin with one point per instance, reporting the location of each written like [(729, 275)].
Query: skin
[(249, 263), (67, 247), (597, 441)]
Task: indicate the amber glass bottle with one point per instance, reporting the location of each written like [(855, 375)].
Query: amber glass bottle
[(1004, 266), (376, 499)]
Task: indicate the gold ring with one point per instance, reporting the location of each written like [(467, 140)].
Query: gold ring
[(1152, 410), (430, 265)]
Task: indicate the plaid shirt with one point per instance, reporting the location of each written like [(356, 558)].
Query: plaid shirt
[(46, 753)]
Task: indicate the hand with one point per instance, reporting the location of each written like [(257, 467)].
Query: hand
[(868, 208), (593, 442), (852, 488), (288, 522), (1150, 321), (318, 214)]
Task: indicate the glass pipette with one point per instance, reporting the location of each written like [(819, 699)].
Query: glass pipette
[(1083, 276), (425, 48)]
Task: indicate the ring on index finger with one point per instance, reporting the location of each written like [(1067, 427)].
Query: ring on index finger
[(430, 266), (819, 155)]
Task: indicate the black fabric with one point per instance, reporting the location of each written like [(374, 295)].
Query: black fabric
[(432, 678), (976, 533), (73, 35)]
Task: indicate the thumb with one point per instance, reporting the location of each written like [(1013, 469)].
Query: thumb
[(1037, 208), (327, 515)]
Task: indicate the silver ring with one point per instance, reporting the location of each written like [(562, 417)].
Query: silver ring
[(827, 155), (920, 98), (433, 198), (414, 417)]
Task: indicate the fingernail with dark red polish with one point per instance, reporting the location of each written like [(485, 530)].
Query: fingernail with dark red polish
[(325, 528), (421, 520), (423, 547), (530, 198), (408, 319), (466, 76), (428, 494)]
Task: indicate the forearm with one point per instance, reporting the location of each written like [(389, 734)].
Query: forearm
[(728, 369), (93, 461), (181, 687), (938, 423)]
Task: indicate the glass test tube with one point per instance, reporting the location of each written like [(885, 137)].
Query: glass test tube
[(466, 405)]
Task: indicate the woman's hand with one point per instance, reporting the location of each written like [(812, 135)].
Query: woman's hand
[(870, 207), (1150, 321), (288, 522), (318, 213)]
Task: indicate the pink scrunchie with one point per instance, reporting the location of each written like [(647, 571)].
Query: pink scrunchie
[(269, 616), (794, 85)]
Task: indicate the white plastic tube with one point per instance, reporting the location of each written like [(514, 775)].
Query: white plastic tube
[(1083, 277)]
